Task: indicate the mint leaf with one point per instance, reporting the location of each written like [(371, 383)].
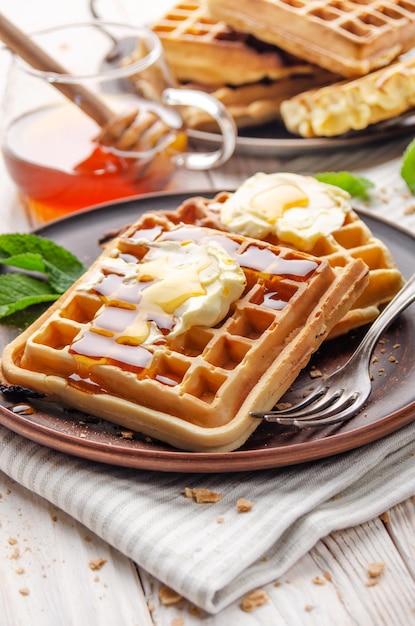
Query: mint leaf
[(48, 270), (357, 186), (18, 291), (37, 254), (408, 166)]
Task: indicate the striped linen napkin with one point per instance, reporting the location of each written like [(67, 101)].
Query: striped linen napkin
[(212, 554)]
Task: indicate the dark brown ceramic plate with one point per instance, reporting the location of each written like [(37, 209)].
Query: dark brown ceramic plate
[(391, 405)]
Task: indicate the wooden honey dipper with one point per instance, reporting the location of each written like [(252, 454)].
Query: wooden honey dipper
[(124, 133)]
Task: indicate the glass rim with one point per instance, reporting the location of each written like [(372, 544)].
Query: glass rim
[(155, 54)]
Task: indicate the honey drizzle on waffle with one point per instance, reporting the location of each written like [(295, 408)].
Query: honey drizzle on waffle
[(353, 240), (272, 277), (201, 366)]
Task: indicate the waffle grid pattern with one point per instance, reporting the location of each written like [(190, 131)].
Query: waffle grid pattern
[(359, 19), (206, 51), (354, 240), (189, 20), (198, 368), (349, 37)]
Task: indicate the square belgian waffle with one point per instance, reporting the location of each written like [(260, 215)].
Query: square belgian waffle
[(348, 37), (354, 240), (195, 390), (202, 50)]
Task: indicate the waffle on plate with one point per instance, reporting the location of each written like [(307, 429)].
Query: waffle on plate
[(179, 331), (337, 233), (348, 37)]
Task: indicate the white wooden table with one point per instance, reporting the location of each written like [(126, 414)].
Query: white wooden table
[(45, 556)]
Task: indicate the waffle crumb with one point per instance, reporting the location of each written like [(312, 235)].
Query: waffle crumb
[(319, 580), (283, 406), (168, 596), (15, 554), (202, 496), (253, 600), (96, 564), (196, 611), (127, 434), (316, 373), (385, 517), (24, 591), (243, 505), (308, 607), (375, 569)]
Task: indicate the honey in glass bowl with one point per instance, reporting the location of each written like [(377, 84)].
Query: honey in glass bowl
[(59, 167), (51, 139)]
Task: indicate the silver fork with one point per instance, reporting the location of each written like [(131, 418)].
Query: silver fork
[(346, 390)]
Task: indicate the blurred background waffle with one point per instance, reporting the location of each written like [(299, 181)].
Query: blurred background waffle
[(193, 390), (348, 37), (255, 58), (352, 105), (248, 75)]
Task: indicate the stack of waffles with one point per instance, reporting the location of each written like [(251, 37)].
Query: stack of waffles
[(324, 68), (249, 76), (179, 331)]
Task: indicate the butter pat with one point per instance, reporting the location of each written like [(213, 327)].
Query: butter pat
[(175, 286), (297, 209)]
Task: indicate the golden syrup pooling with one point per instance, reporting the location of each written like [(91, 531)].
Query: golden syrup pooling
[(104, 350), (159, 287), (170, 287), (254, 256), (257, 261)]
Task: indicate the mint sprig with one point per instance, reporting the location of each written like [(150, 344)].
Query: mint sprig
[(357, 186), (45, 271)]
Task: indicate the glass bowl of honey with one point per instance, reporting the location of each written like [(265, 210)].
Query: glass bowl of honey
[(52, 145)]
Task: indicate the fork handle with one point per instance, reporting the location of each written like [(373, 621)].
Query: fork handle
[(399, 303)]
